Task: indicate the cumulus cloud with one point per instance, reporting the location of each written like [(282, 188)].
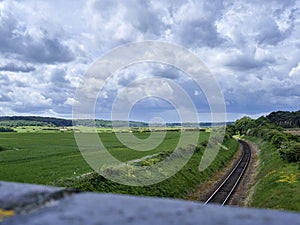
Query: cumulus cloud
[(30, 43), (117, 22), (251, 47), (194, 23)]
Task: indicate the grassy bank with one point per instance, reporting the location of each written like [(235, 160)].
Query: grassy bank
[(278, 182), (177, 186)]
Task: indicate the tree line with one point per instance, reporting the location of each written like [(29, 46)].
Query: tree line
[(34, 121), (287, 144), (285, 119)]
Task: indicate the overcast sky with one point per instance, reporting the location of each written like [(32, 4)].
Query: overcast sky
[(251, 47)]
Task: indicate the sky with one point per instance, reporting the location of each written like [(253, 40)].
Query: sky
[(252, 48)]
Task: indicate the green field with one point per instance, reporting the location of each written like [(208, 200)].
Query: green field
[(46, 157), (53, 158), (39, 157)]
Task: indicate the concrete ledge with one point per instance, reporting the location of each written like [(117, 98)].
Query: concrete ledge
[(93, 208)]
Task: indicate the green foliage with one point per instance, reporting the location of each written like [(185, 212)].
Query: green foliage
[(230, 131), (243, 125), (108, 123), (33, 121), (262, 121), (287, 144), (6, 129), (290, 151), (270, 133), (278, 139), (2, 148), (285, 119)]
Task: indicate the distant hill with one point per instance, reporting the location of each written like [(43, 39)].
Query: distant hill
[(285, 119), (108, 123), (15, 121), (12, 121)]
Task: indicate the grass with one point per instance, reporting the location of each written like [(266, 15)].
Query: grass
[(53, 158), (39, 157), (45, 157), (177, 186), (278, 182)]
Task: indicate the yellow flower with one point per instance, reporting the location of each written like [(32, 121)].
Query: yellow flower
[(6, 213), (288, 179)]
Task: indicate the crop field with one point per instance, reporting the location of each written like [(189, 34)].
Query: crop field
[(295, 131), (39, 157), (45, 157), (53, 158)]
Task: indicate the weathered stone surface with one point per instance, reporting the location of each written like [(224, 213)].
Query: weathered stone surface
[(27, 197), (97, 209)]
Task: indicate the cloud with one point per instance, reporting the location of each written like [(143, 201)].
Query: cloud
[(194, 23), (246, 23), (4, 98), (117, 22), (252, 48), (295, 71), (17, 68), (248, 59), (29, 42)]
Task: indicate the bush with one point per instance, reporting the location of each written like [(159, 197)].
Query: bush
[(290, 151), (2, 148), (6, 129), (244, 124), (278, 139)]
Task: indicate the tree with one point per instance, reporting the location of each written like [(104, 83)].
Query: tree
[(278, 139), (290, 151), (243, 125)]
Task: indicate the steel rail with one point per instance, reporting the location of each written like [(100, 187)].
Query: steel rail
[(222, 186)]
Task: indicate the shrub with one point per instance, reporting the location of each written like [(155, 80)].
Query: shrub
[(290, 151), (2, 148), (278, 139), (6, 129), (244, 124)]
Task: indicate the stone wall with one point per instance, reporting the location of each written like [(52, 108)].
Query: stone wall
[(24, 204)]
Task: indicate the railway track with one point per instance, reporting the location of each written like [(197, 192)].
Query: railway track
[(226, 189)]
